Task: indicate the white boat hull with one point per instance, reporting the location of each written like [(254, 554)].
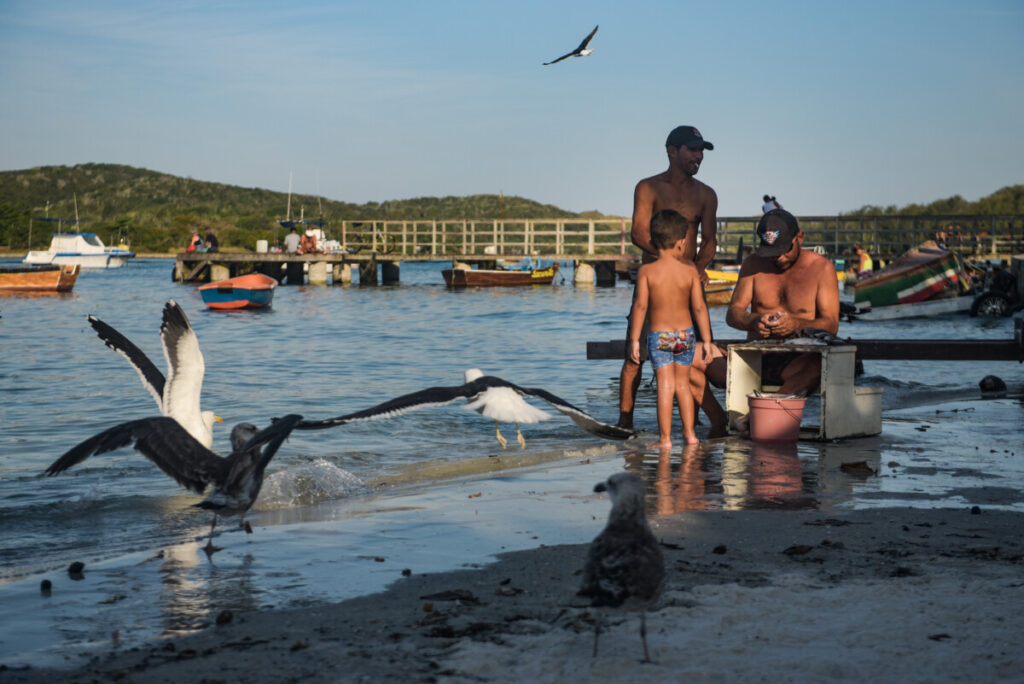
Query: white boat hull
[(79, 249), (931, 307)]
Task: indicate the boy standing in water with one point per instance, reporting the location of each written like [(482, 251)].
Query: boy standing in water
[(668, 295)]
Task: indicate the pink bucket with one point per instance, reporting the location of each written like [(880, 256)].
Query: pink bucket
[(775, 419)]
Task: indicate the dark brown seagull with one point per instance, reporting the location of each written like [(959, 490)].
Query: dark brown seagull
[(236, 479), (625, 567)]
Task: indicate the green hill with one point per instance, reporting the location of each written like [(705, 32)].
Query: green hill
[(1007, 201), (155, 210)]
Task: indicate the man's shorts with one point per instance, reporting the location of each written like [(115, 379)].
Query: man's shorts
[(675, 346)]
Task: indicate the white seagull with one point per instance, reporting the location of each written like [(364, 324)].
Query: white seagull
[(489, 396), (236, 479), (625, 566), (177, 396), (580, 51)]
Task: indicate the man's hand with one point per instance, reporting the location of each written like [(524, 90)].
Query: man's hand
[(781, 324), (704, 277)]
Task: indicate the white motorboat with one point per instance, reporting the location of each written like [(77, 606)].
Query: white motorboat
[(84, 249)]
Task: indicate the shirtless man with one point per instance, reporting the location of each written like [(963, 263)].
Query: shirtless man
[(786, 288), (675, 189)]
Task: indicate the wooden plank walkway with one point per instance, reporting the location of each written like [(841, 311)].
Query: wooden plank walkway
[(879, 350)]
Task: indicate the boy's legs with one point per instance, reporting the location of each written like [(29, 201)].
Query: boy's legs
[(684, 397), (666, 397)]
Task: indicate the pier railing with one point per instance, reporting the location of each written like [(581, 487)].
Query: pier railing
[(883, 236)]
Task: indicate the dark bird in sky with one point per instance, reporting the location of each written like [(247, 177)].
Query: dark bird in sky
[(580, 51), (489, 396), (236, 479), (625, 567), (177, 395)]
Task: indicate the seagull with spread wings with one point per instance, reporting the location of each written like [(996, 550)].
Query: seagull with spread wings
[(488, 395), (236, 479), (580, 51), (177, 395)]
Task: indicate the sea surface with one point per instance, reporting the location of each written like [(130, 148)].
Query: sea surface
[(345, 510)]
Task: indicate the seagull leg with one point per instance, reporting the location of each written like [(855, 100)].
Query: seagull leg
[(597, 634), (519, 437), (643, 635), (210, 549), (497, 433)]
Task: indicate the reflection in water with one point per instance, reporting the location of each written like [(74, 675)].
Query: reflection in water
[(735, 475)]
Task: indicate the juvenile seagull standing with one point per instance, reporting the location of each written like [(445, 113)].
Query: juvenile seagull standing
[(489, 396), (580, 51), (177, 396), (625, 566), (236, 479)]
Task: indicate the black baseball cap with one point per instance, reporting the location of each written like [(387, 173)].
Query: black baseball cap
[(777, 229), (687, 136)]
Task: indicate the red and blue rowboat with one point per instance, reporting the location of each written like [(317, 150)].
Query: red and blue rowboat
[(253, 291)]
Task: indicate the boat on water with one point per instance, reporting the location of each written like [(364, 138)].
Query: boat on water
[(252, 291), (480, 277), (82, 249), (49, 278), (924, 281)]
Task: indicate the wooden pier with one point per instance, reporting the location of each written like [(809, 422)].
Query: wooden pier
[(338, 269)]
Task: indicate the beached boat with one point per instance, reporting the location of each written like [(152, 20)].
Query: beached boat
[(38, 278), (253, 291), (83, 249), (465, 277), (924, 281)]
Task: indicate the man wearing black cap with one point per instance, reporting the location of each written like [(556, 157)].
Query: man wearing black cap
[(675, 188), (782, 289)]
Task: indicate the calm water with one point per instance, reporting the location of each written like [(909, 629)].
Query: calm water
[(323, 351)]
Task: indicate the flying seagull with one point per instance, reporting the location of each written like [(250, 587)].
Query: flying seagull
[(177, 396), (625, 567), (236, 479), (580, 51), (489, 396)]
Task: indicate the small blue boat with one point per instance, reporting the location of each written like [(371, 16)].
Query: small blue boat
[(253, 291)]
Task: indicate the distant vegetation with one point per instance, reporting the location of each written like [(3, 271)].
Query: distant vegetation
[(155, 211)]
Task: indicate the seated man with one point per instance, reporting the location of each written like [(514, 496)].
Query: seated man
[(782, 289)]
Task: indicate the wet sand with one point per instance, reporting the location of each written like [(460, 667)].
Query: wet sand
[(889, 595)]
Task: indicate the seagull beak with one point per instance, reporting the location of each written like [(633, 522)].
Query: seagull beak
[(218, 419), (600, 487)]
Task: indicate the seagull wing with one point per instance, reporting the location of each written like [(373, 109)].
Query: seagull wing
[(160, 439), (578, 415), (432, 396), (586, 41), (271, 437), (152, 378), (185, 368), (555, 61)]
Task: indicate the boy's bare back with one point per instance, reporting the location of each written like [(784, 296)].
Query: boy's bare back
[(668, 286)]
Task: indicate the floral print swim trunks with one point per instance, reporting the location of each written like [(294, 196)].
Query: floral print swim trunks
[(671, 347)]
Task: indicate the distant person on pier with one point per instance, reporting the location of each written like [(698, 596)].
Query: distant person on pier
[(782, 289), (669, 299), (769, 203), (865, 265), (676, 188), (195, 242), (307, 245), (211, 241), (291, 242)]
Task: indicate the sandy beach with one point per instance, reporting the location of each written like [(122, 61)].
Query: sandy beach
[(887, 595)]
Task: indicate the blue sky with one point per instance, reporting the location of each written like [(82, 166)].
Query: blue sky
[(827, 104)]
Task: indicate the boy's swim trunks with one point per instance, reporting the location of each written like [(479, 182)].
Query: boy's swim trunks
[(671, 347)]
